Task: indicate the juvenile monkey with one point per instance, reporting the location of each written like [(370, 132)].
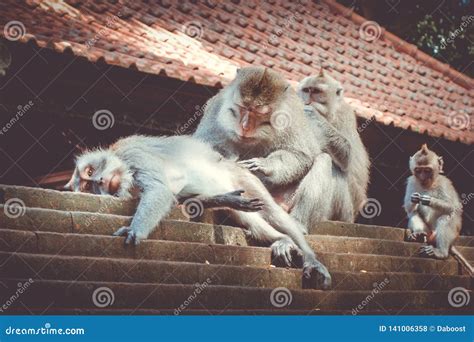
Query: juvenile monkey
[(164, 169), (259, 120), (432, 204), (341, 140)]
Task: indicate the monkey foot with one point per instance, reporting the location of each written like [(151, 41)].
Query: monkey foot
[(282, 249), (417, 237), (431, 252), (238, 202), (317, 269), (131, 236)]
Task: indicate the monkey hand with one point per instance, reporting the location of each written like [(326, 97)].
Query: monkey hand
[(282, 248), (416, 237), (415, 197), (316, 268), (131, 235), (256, 165), (425, 200)]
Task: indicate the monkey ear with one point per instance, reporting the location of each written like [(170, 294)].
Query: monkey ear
[(441, 164), (321, 72), (339, 91)]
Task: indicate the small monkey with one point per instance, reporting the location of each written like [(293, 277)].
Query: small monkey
[(341, 140), (432, 204), (163, 169), (259, 120)]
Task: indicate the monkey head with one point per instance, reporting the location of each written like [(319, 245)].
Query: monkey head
[(425, 165), (101, 172), (255, 94), (321, 90)]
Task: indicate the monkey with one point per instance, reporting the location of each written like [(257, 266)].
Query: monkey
[(258, 120), (342, 141), (163, 169), (432, 205)]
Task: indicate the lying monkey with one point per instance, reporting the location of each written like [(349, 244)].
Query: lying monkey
[(165, 169)]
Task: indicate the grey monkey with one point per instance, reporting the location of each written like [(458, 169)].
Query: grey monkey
[(163, 169)]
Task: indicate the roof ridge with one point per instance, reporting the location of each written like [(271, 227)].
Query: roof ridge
[(403, 46)]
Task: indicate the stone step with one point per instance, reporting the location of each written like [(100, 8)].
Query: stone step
[(113, 247), (58, 295), (37, 219), (55, 267), (72, 201), (93, 245), (105, 224), (68, 201)]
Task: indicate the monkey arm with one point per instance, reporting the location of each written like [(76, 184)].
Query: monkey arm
[(335, 144), (442, 206), (232, 200), (281, 167), (155, 203)]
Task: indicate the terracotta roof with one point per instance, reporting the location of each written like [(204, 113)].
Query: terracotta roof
[(204, 42)]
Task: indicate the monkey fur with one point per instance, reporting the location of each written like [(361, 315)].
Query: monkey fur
[(163, 169), (432, 205)]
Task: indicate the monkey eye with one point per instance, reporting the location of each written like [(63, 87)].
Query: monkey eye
[(86, 186), (305, 90), (262, 109), (89, 171)]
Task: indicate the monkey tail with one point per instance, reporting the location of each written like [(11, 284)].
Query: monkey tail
[(462, 260)]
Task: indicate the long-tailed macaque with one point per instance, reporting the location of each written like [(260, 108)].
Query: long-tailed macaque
[(164, 169), (341, 140), (259, 120), (432, 204)]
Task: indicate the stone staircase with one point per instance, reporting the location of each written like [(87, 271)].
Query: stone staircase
[(57, 256)]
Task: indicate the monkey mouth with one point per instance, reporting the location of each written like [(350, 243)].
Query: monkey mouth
[(113, 184)]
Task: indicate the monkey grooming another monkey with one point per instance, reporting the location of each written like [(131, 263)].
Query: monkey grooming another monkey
[(163, 169), (432, 204), (341, 140), (259, 120)]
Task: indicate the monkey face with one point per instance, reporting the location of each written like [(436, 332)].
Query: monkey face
[(97, 172), (425, 165), (251, 117)]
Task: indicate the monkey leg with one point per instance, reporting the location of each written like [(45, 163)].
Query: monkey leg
[(232, 200), (445, 234), (313, 201), (260, 230), (418, 229)]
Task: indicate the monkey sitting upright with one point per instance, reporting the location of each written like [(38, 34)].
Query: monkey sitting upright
[(337, 120), (432, 204), (164, 169)]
